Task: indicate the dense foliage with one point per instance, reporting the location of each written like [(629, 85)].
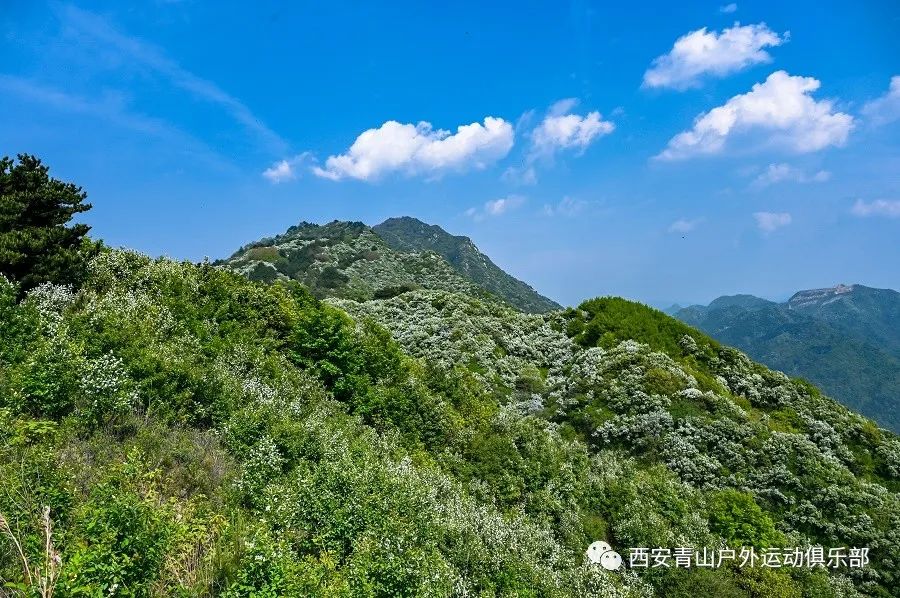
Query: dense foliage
[(350, 259), (194, 433), (763, 459), (172, 429), (408, 234), (345, 259), (845, 340), (37, 244)]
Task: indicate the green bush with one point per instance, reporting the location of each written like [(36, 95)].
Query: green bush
[(740, 521)]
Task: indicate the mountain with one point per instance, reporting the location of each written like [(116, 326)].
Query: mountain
[(352, 260), (859, 310), (844, 339), (411, 235), (178, 429), (740, 301)]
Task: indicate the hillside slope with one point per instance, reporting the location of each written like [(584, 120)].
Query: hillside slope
[(843, 339), (345, 259), (195, 433), (350, 259), (627, 378), (410, 234)]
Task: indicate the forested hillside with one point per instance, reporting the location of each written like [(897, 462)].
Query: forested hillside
[(177, 429), (350, 259), (844, 339), (411, 234)]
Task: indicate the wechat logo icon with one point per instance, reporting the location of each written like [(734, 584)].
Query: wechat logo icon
[(601, 553)]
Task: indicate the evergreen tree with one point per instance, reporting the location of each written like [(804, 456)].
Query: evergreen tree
[(37, 244)]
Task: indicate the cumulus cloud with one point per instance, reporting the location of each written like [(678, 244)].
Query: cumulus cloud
[(683, 225), (771, 221), (286, 170), (781, 107), (779, 173), (420, 149), (728, 8), (567, 206), (496, 207), (703, 52), (561, 129), (279, 172), (886, 108), (879, 207)]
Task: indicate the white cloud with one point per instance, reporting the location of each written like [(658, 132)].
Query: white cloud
[(562, 107), (886, 108), (286, 170), (779, 173), (565, 207), (782, 107), (878, 207), (496, 207), (728, 8), (561, 129), (683, 225), (771, 221), (420, 149), (502, 205), (280, 172), (703, 52)]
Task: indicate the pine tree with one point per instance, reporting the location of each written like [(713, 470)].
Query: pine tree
[(37, 244)]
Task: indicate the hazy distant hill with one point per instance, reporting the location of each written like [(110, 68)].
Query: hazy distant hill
[(863, 311), (845, 339), (355, 261)]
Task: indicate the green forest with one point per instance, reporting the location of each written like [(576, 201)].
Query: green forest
[(170, 428)]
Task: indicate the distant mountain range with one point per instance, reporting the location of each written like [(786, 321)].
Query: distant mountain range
[(845, 339), (354, 261)]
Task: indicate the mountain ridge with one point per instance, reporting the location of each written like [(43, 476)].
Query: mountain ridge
[(408, 233), (839, 337), (353, 260)]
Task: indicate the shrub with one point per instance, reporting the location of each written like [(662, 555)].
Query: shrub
[(736, 517)]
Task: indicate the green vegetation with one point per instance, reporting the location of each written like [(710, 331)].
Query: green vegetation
[(736, 517), (36, 245), (411, 235), (699, 445), (844, 339), (607, 321), (176, 429), (352, 260), (347, 259)]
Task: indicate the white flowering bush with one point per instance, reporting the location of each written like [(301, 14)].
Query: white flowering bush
[(504, 348), (428, 443), (107, 393)]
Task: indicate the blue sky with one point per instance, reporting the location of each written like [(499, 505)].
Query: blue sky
[(656, 151)]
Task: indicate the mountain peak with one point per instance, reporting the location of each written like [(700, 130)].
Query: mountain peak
[(815, 298), (355, 261), (742, 301), (411, 234), (843, 338)]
